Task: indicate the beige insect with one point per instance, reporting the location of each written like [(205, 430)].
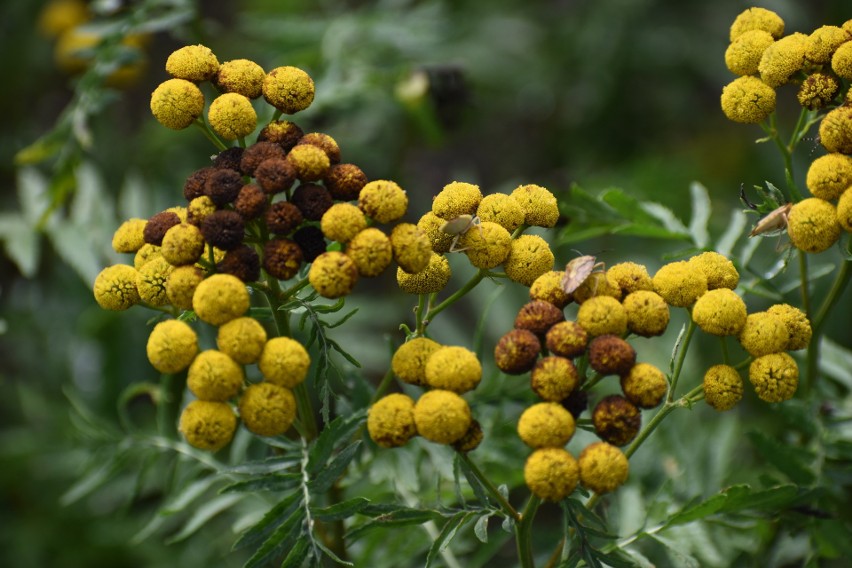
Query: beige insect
[(773, 223), (458, 227), (577, 270)]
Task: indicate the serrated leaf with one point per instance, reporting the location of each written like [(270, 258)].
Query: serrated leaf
[(698, 511), (330, 553), (700, 214), (327, 476), (665, 216), (269, 482), (678, 557), (472, 480), (394, 516), (297, 554), (342, 510), (286, 535), (742, 498), (340, 429), (791, 461), (447, 534), (203, 514), (73, 244), (277, 514), (32, 194)]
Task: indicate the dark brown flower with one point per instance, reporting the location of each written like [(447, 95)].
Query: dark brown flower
[(242, 262), (312, 200), (517, 351), (223, 229), (275, 175), (223, 185), (616, 420), (282, 217), (283, 132), (156, 227), (344, 181), (251, 202), (257, 153), (311, 240), (282, 258)]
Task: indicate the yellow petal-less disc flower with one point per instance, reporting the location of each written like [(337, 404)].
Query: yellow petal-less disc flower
[(433, 278), (679, 284), (747, 100), (539, 205), (192, 63), (289, 89), (128, 237), (529, 258), (602, 315), (554, 378), (597, 284), (214, 376), (824, 41), (144, 255), (240, 76), (757, 19), (333, 274), (409, 360), (647, 313), (551, 473), (208, 425), (411, 247), (720, 312), (172, 345), (432, 225), (453, 368), (456, 198), (115, 287), (775, 377), (182, 244), (442, 416), (220, 298), (744, 53), (841, 61), (548, 288), (176, 103), (723, 387), (371, 252), (644, 385), (630, 277), (309, 161), (764, 333), (390, 421), (782, 59), (284, 362), (720, 272), (812, 225), (546, 425), (267, 409), (151, 281), (242, 339), (486, 246), (844, 210), (181, 285), (829, 176), (501, 209), (342, 221), (383, 201), (798, 326), (603, 467), (567, 339), (818, 90), (835, 129), (232, 116)]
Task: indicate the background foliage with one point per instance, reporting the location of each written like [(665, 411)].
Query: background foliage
[(614, 93)]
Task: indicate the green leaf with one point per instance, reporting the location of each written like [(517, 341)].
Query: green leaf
[(665, 216), (339, 511), (259, 467), (297, 554), (340, 429), (791, 461), (678, 556), (700, 214), (480, 529), (91, 481), (271, 482), (473, 481), (203, 514), (699, 511), (393, 515), (836, 361), (286, 535), (741, 498), (734, 230), (327, 476), (277, 514), (447, 534), (187, 495), (73, 244), (21, 242)]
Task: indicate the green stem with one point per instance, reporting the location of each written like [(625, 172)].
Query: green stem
[(684, 401), (199, 122), (420, 322), (387, 379), (681, 357), (726, 356), (470, 285), (803, 276), (505, 506), (523, 533), (772, 131), (593, 381)]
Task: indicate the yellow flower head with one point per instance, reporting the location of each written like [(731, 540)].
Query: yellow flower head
[(764, 333), (457, 198), (744, 53), (720, 312), (128, 237), (383, 201), (182, 244), (841, 61), (835, 129), (214, 376), (432, 225), (844, 210), (554, 378), (240, 76), (289, 89), (486, 246), (144, 255), (501, 209), (231, 116), (798, 326), (546, 425), (442, 416), (823, 42), (208, 425), (616, 420), (757, 19), (309, 161), (812, 225), (775, 377), (181, 285), (597, 284), (333, 274), (829, 176), (453, 368), (529, 258), (723, 387), (431, 279), (342, 221), (516, 352), (192, 63), (390, 421), (242, 339), (539, 205), (220, 298), (411, 247), (284, 362), (176, 103), (679, 284), (630, 277), (548, 288), (644, 385), (172, 345), (115, 287), (747, 100), (603, 467), (200, 207), (371, 252), (151, 281), (267, 409), (647, 313), (602, 315), (720, 272), (818, 90), (567, 339), (409, 360), (551, 473)]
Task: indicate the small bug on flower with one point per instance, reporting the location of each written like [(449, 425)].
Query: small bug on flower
[(458, 227), (773, 223), (577, 270)]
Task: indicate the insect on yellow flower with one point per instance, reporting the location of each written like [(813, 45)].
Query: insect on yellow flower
[(773, 223), (458, 227), (577, 270)]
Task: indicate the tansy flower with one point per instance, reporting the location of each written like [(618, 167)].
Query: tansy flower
[(151, 281), (231, 116), (603, 467), (517, 351), (208, 425), (679, 284), (597, 284), (267, 409), (782, 59), (202, 206), (333, 274), (455, 199), (383, 201), (325, 143), (775, 377), (176, 103), (313, 200), (156, 227), (214, 376), (433, 225), (630, 277), (258, 153), (539, 205), (371, 252), (747, 100), (471, 439), (240, 76), (275, 175), (723, 387), (251, 202), (487, 245), (548, 288), (182, 244), (181, 285), (602, 315), (220, 298), (835, 129), (720, 312), (841, 61), (224, 229), (310, 162), (720, 272), (644, 385), (242, 262), (553, 378), (812, 225), (282, 258), (283, 133), (223, 185), (529, 258), (823, 42), (744, 53), (282, 217), (311, 240), (844, 210), (757, 19), (115, 287), (501, 209), (172, 345), (817, 91), (798, 326), (289, 89), (390, 421), (616, 420), (193, 63), (128, 237), (442, 416), (431, 279), (647, 313), (146, 254), (411, 247), (538, 316), (551, 473), (453, 368), (284, 362), (764, 333), (409, 360), (611, 355), (546, 425), (242, 339), (829, 176), (567, 338), (345, 181)]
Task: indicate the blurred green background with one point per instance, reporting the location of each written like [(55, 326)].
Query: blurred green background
[(599, 93)]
